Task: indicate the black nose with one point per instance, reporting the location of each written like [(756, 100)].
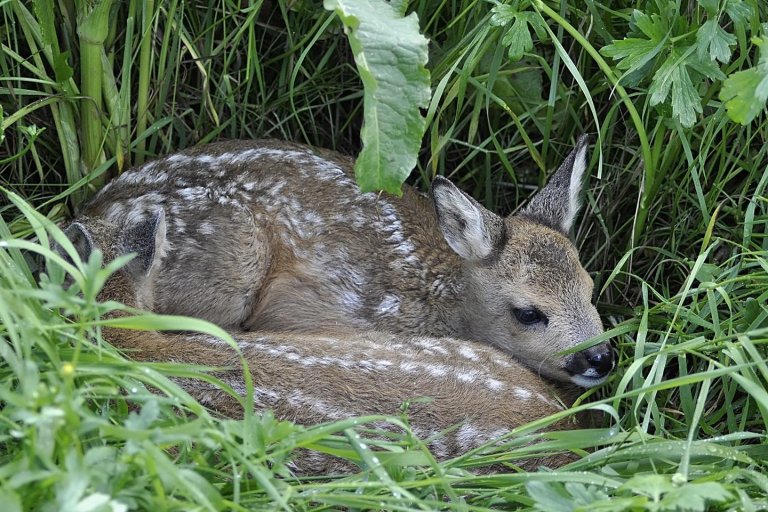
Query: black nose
[(593, 363), (601, 361)]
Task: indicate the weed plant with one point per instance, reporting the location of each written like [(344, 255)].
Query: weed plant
[(675, 231)]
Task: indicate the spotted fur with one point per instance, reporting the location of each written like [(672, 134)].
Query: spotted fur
[(271, 236)]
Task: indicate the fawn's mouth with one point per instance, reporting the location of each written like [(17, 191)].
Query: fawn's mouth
[(588, 381)]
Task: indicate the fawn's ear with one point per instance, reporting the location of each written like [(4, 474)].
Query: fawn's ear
[(471, 231), (557, 204), (81, 239), (147, 239)]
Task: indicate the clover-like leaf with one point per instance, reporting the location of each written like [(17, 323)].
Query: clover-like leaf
[(714, 42), (517, 39)]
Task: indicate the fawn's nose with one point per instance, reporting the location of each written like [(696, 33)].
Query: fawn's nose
[(592, 365), (601, 361)]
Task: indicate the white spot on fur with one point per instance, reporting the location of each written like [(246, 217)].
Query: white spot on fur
[(467, 437), (468, 353), (494, 384), (193, 194), (299, 400), (522, 394), (467, 375), (390, 305), (206, 228), (351, 300)]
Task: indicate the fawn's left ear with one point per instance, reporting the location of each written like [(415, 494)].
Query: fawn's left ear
[(557, 204), (146, 238)]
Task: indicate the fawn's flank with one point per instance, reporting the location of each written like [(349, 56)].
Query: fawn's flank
[(272, 236), (312, 378)]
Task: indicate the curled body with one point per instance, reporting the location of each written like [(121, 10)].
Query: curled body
[(479, 393), (277, 237)]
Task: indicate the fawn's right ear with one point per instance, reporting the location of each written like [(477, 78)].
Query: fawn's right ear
[(472, 231), (146, 238)]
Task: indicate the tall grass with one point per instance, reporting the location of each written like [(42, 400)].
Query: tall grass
[(674, 231)]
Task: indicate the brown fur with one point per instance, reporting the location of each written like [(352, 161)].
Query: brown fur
[(271, 236), (479, 393)]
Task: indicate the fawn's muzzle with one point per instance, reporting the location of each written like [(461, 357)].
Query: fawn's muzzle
[(592, 365)]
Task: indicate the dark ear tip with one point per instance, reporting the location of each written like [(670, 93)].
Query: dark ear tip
[(582, 141), (439, 181)]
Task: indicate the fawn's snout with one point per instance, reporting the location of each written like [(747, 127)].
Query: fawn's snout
[(591, 366)]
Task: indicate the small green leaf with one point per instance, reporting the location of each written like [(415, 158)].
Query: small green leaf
[(391, 57), (711, 6), (693, 497), (503, 15), (685, 100), (653, 486), (714, 42), (662, 81), (635, 52), (632, 53), (738, 10), (549, 497), (518, 39), (655, 27)]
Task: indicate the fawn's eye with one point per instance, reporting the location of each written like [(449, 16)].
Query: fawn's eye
[(529, 316)]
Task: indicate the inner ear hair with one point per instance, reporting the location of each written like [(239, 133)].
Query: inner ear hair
[(557, 204), (143, 238)]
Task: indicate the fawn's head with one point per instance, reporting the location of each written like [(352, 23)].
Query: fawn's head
[(143, 237), (526, 291)]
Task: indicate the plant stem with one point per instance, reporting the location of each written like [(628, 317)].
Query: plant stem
[(142, 99), (92, 32)]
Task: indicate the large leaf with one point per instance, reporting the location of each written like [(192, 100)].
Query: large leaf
[(391, 56), (745, 92)]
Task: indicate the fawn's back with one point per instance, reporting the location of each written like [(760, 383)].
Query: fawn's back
[(271, 236)]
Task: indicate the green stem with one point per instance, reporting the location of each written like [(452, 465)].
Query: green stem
[(645, 147), (142, 98), (92, 32), (90, 114)]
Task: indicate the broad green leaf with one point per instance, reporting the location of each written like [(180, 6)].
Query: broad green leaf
[(391, 56), (714, 42), (745, 92)]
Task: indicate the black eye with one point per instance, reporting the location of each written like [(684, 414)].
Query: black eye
[(529, 316)]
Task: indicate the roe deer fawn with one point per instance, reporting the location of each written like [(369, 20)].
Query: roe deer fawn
[(273, 236), (480, 391)]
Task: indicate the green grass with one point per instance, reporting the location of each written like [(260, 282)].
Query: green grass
[(675, 232)]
